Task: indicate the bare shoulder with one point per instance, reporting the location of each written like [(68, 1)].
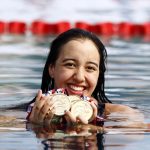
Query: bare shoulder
[(111, 108), (125, 115)]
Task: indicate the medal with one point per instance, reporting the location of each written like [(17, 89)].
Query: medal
[(82, 107), (62, 103), (73, 99), (76, 104)]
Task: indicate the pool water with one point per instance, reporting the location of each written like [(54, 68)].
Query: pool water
[(127, 82)]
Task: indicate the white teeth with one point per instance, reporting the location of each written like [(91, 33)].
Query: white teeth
[(77, 88)]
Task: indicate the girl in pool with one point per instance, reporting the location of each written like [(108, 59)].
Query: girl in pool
[(76, 63)]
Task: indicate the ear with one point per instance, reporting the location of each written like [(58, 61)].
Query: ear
[(51, 71)]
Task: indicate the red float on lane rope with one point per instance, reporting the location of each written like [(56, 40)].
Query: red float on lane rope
[(16, 27), (60, 27), (104, 29), (2, 27), (83, 25), (41, 28)]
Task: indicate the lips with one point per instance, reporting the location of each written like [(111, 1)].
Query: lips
[(75, 90)]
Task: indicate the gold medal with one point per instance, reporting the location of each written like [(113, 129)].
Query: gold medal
[(83, 108), (72, 103), (61, 102), (73, 99)]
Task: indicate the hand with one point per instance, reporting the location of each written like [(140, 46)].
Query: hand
[(82, 119), (43, 109), (94, 104), (72, 119)]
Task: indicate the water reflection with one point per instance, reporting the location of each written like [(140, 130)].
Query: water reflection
[(77, 137), (113, 135), (76, 142), (86, 137)]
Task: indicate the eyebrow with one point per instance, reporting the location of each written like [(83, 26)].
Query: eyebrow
[(89, 62)]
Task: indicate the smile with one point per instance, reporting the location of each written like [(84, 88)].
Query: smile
[(76, 88)]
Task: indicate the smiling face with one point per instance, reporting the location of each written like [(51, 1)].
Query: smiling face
[(77, 67)]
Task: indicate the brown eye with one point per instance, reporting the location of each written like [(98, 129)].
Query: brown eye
[(70, 65), (91, 68)]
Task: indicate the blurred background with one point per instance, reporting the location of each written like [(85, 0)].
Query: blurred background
[(72, 10)]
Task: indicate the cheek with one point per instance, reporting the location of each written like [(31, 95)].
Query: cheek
[(61, 78), (93, 80)]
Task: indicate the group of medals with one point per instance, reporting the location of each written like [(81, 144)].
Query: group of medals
[(77, 105)]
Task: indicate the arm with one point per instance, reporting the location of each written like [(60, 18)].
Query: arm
[(123, 116), (111, 108)]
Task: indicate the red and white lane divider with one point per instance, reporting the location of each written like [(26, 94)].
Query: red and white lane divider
[(125, 30)]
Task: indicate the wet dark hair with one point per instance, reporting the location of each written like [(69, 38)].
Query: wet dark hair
[(48, 82)]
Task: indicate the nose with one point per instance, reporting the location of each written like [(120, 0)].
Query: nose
[(79, 75)]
